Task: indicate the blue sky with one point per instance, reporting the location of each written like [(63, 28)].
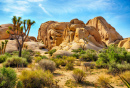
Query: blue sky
[(116, 12)]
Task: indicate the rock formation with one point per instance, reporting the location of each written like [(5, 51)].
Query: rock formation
[(125, 43), (66, 36), (3, 29), (107, 32)]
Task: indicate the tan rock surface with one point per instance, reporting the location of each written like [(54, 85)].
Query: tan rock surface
[(66, 36), (107, 32), (125, 43), (3, 29)]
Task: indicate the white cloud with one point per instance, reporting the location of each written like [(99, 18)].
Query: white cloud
[(35, 0), (40, 5), (72, 6), (17, 8)]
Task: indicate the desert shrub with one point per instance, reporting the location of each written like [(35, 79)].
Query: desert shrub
[(90, 55), (78, 63), (77, 50), (36, 79), (89, 64), (70, 59), (15, 61), (3, 58), (37, 59), (63, 62), (115, 68), (126, 75), (19, 84), (69, 66), (82, 52), (113, 58), (59, 62), (52, 51), (7, 78), (25, 54), (58, 56), (7, 54), (78, 75), (37, 54), (43, 57), (104, 82), (47, 65), (75, 55)]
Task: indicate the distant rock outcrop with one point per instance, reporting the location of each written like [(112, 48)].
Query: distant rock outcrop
[(107, 32), (66, 36), (125, 43), (3, 29)]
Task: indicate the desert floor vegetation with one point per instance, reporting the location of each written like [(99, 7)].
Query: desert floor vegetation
[(85, 68)]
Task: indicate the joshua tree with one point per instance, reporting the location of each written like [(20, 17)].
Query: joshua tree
[(6, 41), (2, 46), (0, 50), (20, 32)]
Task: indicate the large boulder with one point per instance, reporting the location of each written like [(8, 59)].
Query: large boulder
[(125, 43), (107, 32), (11, 46), (3, 29)]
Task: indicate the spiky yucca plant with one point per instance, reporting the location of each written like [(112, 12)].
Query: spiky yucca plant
[(2, 46), (20, 31), (6, 41), (125, 81), (0, 50)]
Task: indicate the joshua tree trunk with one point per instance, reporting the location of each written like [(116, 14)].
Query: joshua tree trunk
[(20, 51)]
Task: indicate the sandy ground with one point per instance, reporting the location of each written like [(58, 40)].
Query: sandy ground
[(92, 75)]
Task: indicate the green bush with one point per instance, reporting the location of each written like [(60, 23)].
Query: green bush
[(52, 51), (75, 55), (58, 56), (8, 54), (115, 68), (90, 55), (3, 58), (69, 66), (36, 79), (114, 58), (15, 61), (59, 62), (7, 78), (19, 84), (37, 59), (43, 57), (25, 54), (70, 59), (78, 75), (47, 65), (77, 50)]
